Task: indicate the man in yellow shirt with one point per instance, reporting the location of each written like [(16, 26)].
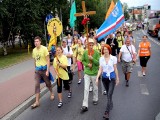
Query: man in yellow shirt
[(42, 64), (120, 40)]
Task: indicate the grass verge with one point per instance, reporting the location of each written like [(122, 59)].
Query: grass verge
[(14, 56)]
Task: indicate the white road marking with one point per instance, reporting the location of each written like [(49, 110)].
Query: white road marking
[(144, 89), (140, 74)]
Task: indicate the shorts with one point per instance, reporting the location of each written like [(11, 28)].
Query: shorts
[(127, 67), (144, 60), (80, 65)]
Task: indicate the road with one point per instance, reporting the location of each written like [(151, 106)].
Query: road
[(139, 101)]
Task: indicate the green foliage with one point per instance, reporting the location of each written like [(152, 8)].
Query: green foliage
[(28, 16)]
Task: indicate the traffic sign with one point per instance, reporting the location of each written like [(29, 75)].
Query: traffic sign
[(48, 17)]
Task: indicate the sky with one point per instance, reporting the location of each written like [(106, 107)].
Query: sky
[(155, 4)]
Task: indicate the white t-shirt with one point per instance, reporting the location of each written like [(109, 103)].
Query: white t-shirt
[(108, 67), (82, 39), (65, 52), (126, 56), (69, 42)]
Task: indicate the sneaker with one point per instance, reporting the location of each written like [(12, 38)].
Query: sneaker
[(84, 109), (79, 82), (104, 92), (95, 102), (106, 115), (90, 89), (69, 94), (143, 73), (60, 104)]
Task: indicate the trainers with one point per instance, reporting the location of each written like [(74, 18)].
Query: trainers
[(60, 104), (104, 92), (84, 109), (143, 73), (95, 102), (79, 82), (69, 94), (106, 115)]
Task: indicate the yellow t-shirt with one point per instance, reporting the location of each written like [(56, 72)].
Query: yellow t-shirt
[(74, 47), (120, 40), (62, 73), (97, 47), (80, 51), (40, 55)]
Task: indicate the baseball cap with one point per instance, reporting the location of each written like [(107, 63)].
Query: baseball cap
[(90, 40)]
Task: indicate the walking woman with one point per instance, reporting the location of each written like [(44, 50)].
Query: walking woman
[(110, 77), (144, 53), (74, 47), (60, 65), (79, 53)]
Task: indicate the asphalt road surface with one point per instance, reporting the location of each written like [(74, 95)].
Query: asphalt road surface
[(139, 101)]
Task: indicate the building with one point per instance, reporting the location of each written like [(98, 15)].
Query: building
[(139, 13)]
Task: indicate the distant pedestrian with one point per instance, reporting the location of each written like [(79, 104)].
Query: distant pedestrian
[(112, 42), (60, 65), (79, 53), (144, 53), (120, 40), (110, 77), (128, 57), (42, 65), (90, 60), (74, 47), (67, 51)]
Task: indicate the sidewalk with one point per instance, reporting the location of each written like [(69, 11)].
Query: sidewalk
[(16, 85)]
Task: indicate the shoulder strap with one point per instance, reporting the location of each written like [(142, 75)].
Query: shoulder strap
[(130, 52), (68, 48), (60, 62)]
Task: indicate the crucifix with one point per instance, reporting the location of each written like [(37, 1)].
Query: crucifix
[(85, 14)]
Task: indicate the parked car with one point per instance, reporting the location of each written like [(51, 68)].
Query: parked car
[(159, 34), (153, 26)]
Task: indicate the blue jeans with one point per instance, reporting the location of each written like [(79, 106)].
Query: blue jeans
[(109, 86)]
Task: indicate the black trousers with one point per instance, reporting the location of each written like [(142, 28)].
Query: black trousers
[(65, 83), (109, 86)]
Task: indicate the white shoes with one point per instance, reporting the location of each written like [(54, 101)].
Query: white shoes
[(143, 73), (79, 82)]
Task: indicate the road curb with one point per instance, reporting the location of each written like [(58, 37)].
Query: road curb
[(26, 104)]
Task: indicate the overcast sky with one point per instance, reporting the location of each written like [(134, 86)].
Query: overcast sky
[(155, 4)]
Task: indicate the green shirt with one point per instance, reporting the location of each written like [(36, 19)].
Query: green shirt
[(95, 63)]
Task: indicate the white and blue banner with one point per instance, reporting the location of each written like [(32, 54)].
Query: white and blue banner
[(112, 23)]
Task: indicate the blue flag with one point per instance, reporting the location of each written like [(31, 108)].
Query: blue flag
[(112, 23), (72, 12)]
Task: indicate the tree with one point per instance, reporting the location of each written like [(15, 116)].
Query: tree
[(125, 8)]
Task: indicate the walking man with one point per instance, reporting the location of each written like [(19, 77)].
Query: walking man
[(42, 64), (128, 57), (90, 60)]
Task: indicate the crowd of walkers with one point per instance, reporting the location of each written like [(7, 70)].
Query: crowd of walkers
[(98, 62)]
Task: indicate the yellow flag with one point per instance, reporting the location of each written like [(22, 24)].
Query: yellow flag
[(111, 7)]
